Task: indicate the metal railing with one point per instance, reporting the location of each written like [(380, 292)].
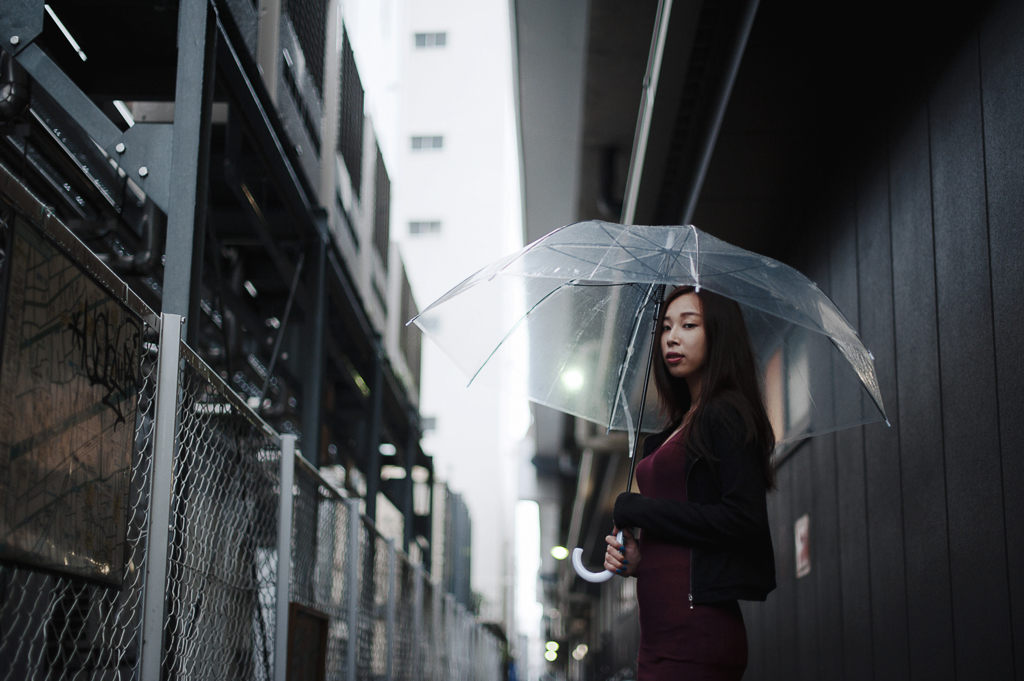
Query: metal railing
[(204, 593)]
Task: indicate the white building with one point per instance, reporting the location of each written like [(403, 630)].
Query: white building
[(438, 78)]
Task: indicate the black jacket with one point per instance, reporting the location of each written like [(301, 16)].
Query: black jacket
[(724, 521)]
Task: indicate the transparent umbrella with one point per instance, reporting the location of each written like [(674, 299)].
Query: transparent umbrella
[(585, 299)]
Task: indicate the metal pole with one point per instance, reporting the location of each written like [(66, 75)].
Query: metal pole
[(352, 587), (373, 437), (282, 329), (390, 622), (313, 383), (440, 640), (428, 555), (722, 101), (417, 623), (285, 506), (643, 125), (412, 443), (164, 430), (193, 92)]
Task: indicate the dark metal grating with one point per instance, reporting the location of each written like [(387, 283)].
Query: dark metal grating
[(350, 119), (309, 18), (410, 337), (382, 210)]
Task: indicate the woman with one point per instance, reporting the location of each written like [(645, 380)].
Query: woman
[(702, 511)]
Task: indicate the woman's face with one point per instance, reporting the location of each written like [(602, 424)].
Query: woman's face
[(682, 339)]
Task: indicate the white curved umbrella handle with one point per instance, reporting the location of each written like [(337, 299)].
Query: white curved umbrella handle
[(595, 577)]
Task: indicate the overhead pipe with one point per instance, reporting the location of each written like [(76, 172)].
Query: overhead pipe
[(722, 102), (647, 96), (644, 120)]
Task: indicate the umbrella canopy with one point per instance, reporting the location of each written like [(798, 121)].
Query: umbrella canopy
[(583, 301)]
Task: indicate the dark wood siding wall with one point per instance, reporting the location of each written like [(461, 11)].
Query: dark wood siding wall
[(917, 531)]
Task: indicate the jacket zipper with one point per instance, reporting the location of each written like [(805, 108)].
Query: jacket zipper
[(688, 471), (691, 578)]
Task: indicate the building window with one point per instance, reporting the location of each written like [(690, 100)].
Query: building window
[(425, 227), (428, 142), (425, 40)]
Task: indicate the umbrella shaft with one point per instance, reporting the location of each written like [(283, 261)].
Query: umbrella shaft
[(659, 296)]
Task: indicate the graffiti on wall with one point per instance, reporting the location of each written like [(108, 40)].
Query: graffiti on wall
[(68, 398)]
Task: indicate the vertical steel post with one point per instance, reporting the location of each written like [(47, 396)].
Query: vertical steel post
[(373, 437), (352, 589), (428, 553), (312, 385), (193, 99), (412, 444), (440, 635), (285, 506), (390, 621), (164, 431), (417, 623)]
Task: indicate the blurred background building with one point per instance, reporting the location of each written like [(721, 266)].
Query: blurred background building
[(440, 81)]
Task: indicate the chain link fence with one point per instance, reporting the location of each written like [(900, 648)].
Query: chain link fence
[(222, 565), (373, 608), (203, 593)]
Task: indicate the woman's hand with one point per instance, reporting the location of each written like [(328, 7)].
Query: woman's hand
[(622, 559)]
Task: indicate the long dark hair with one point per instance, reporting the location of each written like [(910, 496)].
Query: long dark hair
[(730, 373)]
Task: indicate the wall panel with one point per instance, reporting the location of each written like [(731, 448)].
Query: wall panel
[(785, 633), (981, 617), (824, 534), (881, 442), (917, 531), (918, 409), (853, 529), (1002, 73)]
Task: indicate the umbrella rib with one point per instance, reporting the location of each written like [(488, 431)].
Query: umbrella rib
[(877, 404), (615, 242), (607, 252), (655, 246), (539, 242), (678, 256), (600, 263), (512, 330), (649, 240), (627, 353)]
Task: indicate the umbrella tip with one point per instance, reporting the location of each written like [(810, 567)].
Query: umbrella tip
[(887, 423)]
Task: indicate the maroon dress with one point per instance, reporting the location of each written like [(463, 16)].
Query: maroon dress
[(679, 641)]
